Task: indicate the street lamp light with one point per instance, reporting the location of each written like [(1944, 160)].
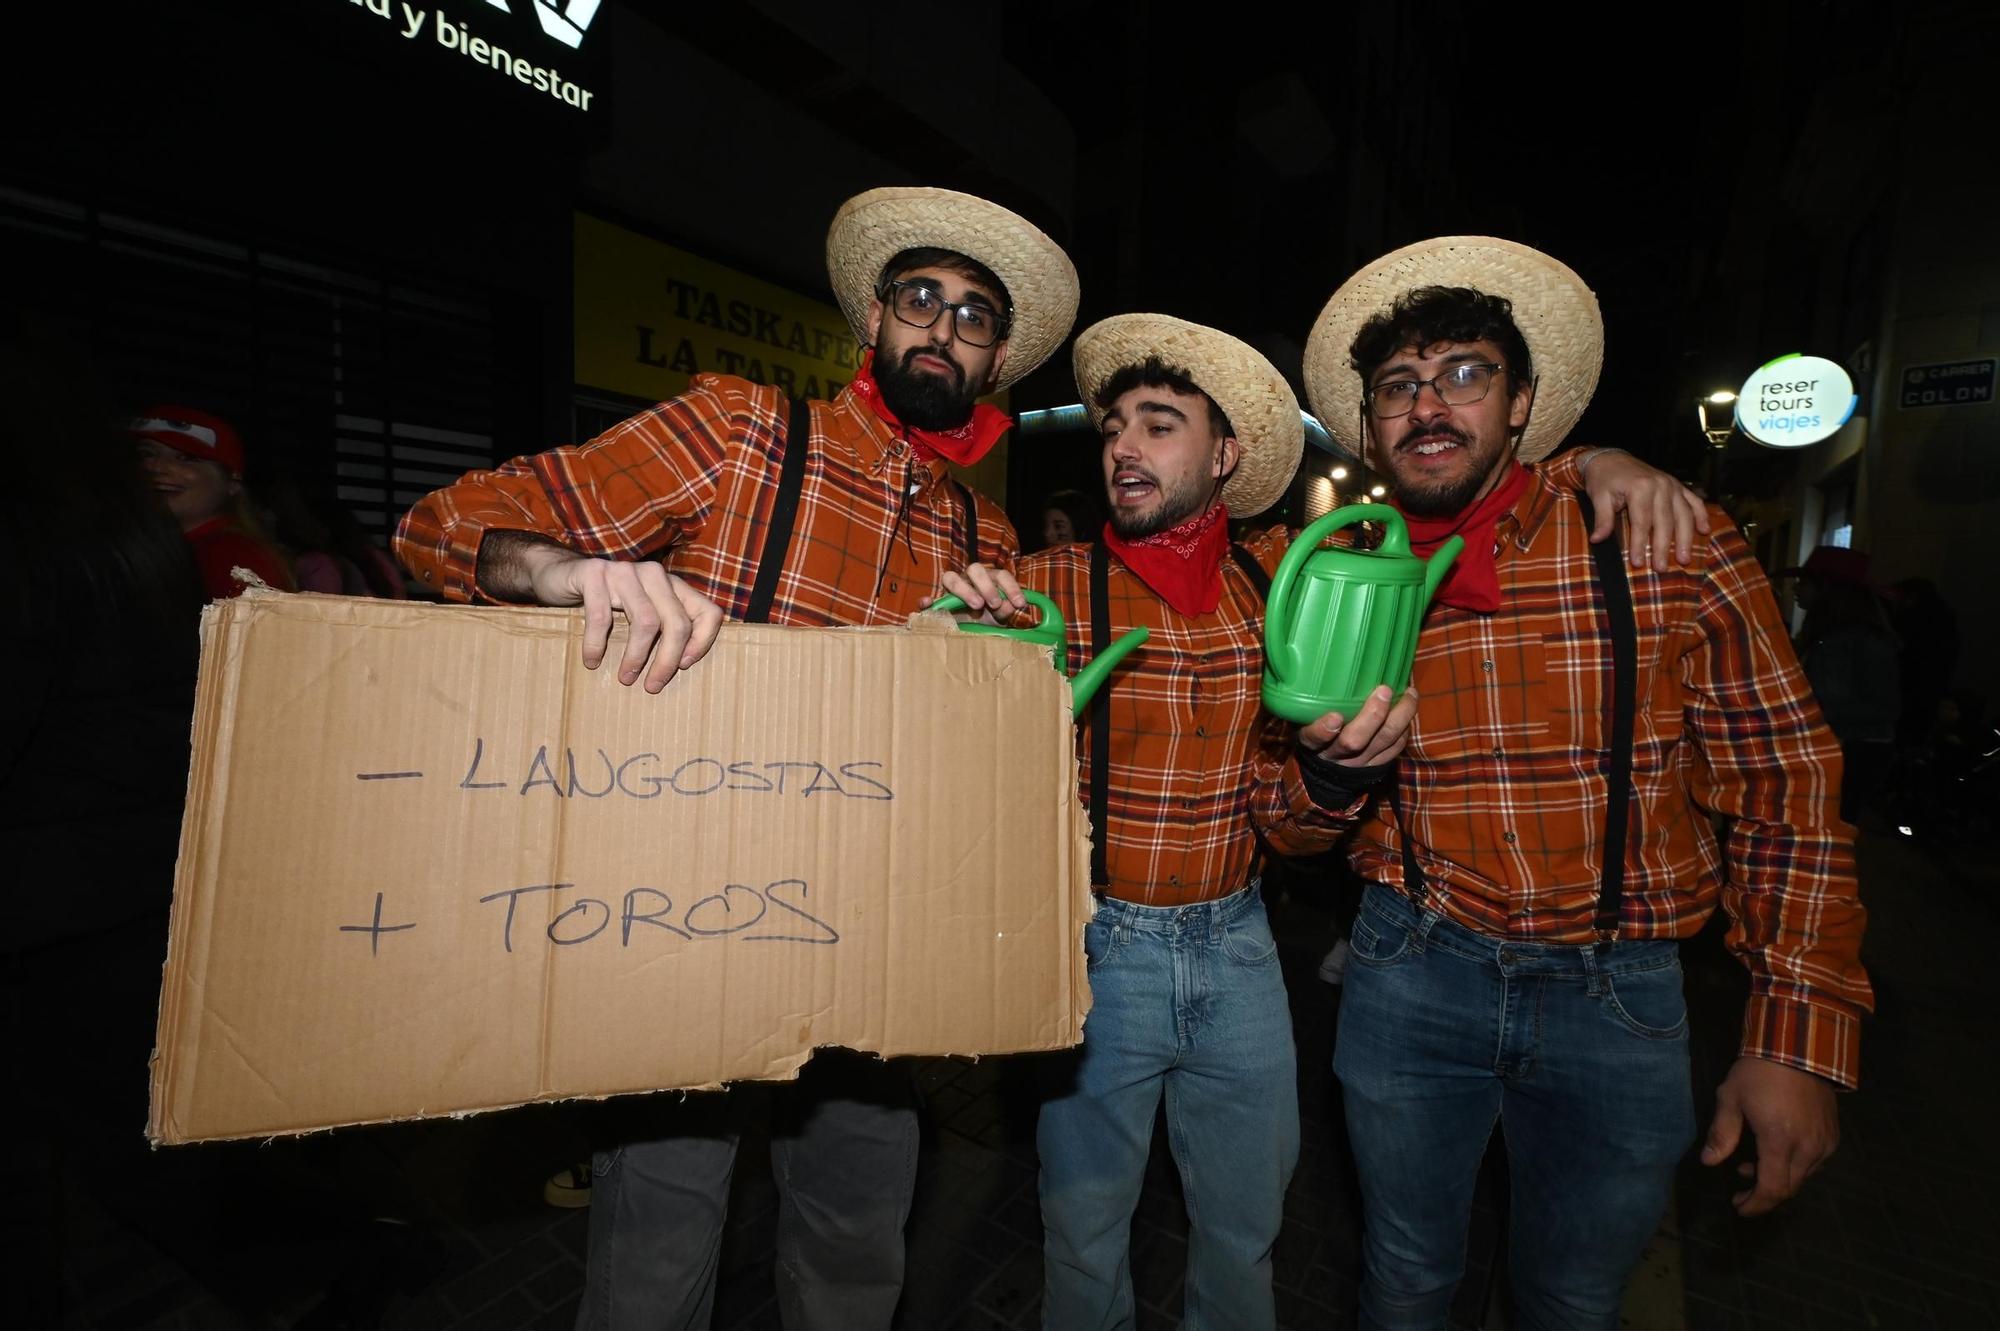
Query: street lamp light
[(1723, 424)]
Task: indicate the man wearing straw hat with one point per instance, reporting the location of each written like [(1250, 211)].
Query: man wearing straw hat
[(1189, 783), (1186, 775), (723, 501), (1547, 838)]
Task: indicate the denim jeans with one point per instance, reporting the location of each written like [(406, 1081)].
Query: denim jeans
[(1188, 1002), (1583, 1061), (844, 1156)]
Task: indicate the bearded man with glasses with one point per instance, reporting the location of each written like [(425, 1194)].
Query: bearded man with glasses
[(1547, 839), (729, 500)]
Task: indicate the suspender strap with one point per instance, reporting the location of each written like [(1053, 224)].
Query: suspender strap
[(1609, 558), (1251, 570), (1611, 580), (1413, 873), (784, 514), (1100, 717), (971, 521)]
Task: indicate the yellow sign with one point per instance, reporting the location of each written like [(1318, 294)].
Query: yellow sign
[(649, 316)]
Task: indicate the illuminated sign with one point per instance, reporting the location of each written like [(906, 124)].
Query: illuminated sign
[(1794, 401), (539, 59)]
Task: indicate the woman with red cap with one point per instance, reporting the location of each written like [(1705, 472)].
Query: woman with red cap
[(195, 461)]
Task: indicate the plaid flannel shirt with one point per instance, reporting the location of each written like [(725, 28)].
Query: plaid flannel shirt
[(1504, 778), (1200, 773), (692, 482)]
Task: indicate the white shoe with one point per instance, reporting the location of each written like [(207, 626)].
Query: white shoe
[(569, 1188), (1333, 966)]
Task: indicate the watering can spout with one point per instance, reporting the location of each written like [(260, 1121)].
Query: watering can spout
[(1083, 685), (1440, 565)]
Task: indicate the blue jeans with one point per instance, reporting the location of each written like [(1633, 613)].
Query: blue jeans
[(1584, 1062), (1187, 1001), (844, 1156)]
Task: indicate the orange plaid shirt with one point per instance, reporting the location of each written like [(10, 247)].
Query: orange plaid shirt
[(692, 483), (1200, 773), (1504, 779)]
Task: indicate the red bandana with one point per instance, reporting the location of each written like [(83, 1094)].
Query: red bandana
[(965, 445), (1183, 565), (1473, 583)]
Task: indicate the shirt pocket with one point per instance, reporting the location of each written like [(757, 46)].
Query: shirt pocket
[(1483, 700)]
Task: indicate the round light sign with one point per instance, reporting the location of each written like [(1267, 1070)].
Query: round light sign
[(1794, 401)]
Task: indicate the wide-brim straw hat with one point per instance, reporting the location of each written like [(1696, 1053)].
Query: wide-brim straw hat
[(1556, 313), (872, 228), (1270, 433)]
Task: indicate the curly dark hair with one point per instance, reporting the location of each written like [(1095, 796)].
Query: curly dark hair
[(1426, 316)]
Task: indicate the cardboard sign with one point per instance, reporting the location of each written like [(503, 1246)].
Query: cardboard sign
[(431, 865)]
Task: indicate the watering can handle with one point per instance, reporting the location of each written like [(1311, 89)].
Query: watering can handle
[(1047, 632), (1279, 657)]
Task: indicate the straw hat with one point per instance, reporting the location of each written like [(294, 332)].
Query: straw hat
[(1269, 430), (1555, 311), (872, 228)]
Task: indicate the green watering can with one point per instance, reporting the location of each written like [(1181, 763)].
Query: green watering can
[(1049, 633), (1343, 622)]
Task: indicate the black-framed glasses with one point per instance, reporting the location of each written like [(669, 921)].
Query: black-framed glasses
[(1460, 386), (919, 306)]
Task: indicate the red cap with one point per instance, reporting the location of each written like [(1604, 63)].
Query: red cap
[(1832, 563), (199, 434)]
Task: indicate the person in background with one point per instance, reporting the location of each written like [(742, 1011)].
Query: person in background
[(1850, 655), (100, 645), (195, 462), (330, 551), (1068, 516)]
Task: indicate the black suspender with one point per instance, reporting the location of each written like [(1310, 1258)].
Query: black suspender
[(1100, 715), (1608, 556), (971, 520), (1611, 580), (784, 514)]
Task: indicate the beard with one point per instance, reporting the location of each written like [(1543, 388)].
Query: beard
[(921, 399), (1444, 497), (1177, 505)]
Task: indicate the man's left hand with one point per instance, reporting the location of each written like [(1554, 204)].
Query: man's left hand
[(1376, 735), (1661, 514), (1792, 1116)]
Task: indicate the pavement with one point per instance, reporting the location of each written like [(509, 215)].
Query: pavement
[(1900, 1230)]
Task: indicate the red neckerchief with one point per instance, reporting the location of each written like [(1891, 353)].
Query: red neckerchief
[(1473, 583), (965, 445), (1182, 565)]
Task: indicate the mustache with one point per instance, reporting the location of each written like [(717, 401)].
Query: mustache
[(1416, 432), (957, 370)]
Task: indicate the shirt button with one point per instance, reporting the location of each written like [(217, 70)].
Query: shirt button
[(894, 585), (1487, 666), (1173, 880), (1201, 732), (1187, 804), (1497, 750), (1507, 837)]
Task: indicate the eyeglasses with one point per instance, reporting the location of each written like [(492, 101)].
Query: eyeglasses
[(919, 306), (1460, 386)]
